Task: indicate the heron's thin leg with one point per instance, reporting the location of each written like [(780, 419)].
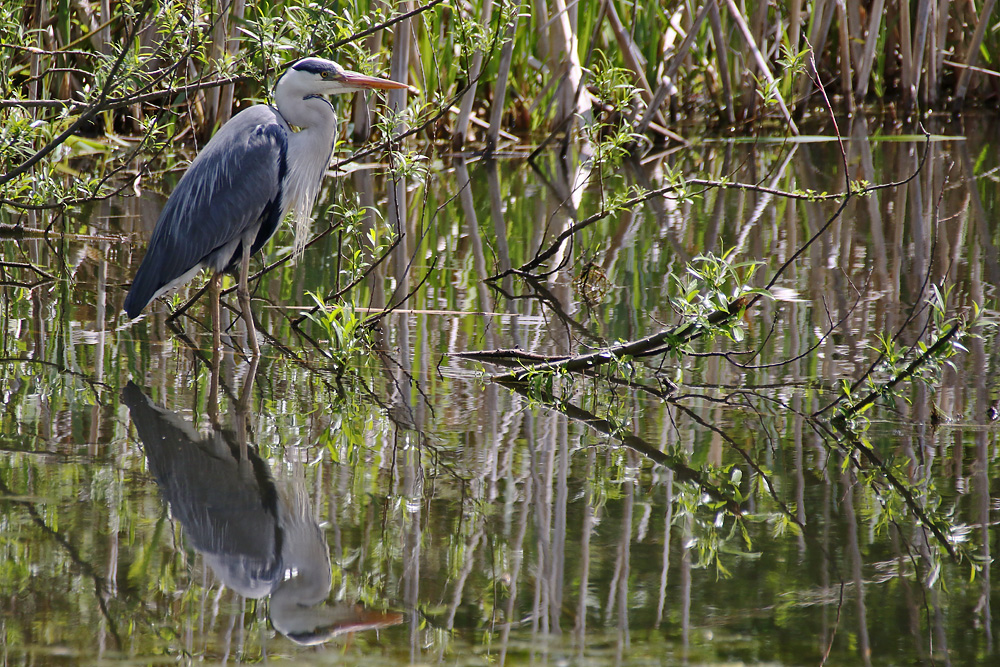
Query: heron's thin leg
[(243, 291), (214, 287), (213, 391)]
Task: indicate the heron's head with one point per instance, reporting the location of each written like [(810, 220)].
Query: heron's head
[(317, 76)]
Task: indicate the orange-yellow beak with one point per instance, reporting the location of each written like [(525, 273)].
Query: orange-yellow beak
[(365, 82)]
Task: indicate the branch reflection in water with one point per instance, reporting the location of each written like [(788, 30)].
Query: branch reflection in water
[(256, 533)]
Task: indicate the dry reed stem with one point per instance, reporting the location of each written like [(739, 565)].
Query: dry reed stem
[(756, 22), (682, 50), (232, 46), (855, 31), (722, 57), (469, 99), (920, 46), (868, 56), (362, 110), (845, 54), (571, 102), (939, 51), (819, 25), (906, 53), (629, 54), (500, 89), (761, 63), (972, 53), (794, 25)]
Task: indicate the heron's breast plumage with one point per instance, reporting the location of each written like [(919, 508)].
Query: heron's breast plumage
[(309, 152)]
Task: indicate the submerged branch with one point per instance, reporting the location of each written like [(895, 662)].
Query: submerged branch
[(508, 358), (91, 382), (657, 343), (49, 527), (28, 267), (852, 438), (683, 471), (749, 461)]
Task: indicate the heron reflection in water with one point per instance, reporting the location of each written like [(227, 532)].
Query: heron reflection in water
[(257, 535)]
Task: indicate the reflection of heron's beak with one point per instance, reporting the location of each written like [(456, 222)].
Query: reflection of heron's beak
[(363, 81), (314, 625), (366, 619)]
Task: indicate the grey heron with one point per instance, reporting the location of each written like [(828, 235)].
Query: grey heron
[(240, 186)]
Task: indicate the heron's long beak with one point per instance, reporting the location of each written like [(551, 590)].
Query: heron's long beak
[(363, 81)]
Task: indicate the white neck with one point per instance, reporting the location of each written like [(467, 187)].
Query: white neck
[(309, 149), (301, 107)]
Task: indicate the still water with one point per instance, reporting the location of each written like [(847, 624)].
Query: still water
[(388, 503)]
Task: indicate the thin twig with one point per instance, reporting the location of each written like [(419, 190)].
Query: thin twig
[(348, 287)]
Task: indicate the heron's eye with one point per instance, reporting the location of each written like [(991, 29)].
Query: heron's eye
[(325, 75)]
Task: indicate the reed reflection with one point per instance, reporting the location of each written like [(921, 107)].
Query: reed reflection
[(257, 533)]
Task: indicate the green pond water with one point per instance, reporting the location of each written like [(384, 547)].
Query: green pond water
[(387, 503)]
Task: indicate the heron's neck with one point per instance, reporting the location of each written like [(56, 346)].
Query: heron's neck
[(309, 151), (310, 113)]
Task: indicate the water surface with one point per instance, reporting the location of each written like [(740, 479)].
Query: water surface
[(390, 504)]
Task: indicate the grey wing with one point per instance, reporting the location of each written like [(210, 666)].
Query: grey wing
[(232, 188)]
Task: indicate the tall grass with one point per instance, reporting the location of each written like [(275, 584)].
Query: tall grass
[(486, 70)]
